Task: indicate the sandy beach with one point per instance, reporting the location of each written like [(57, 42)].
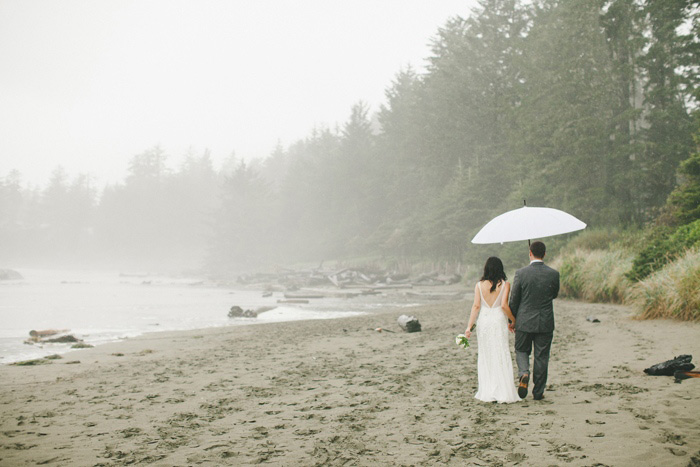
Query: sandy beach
[(336, 392)]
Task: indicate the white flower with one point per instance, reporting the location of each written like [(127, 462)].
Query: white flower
[(462, 341)]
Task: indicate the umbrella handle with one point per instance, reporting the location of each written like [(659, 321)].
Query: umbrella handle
[(525, 204)]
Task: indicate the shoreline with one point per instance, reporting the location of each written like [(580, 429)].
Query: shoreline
[(335, 391), (328, 303), (66, 349)]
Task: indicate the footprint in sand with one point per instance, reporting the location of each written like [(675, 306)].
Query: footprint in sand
[(678, 452), (672, 438)]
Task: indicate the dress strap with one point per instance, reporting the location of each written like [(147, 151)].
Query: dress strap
[(498, 299)]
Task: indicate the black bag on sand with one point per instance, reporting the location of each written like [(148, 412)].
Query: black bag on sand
[(669, 367)]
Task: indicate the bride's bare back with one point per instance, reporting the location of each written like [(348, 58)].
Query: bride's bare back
[(490, 297)]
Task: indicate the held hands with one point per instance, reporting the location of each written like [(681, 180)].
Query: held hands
[(511, 326)]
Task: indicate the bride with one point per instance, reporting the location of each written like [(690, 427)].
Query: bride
[(491, 307)]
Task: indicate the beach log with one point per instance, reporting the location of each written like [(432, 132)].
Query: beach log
[(46, 332), (409, 323), (449, 280), (392, 286), (303, 296)]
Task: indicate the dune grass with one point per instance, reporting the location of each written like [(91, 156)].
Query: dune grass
[(671, 292), (594, 275)]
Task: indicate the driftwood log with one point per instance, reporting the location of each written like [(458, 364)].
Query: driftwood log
[(302, 296), (409, 323), (46, 333), (45, 337), (366, 276)]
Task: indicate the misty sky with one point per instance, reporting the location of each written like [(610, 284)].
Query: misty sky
[(88, 84)]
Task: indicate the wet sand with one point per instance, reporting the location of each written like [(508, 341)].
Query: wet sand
[(335, 392)]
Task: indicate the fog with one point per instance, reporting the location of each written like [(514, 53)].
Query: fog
[(223, 137), (88, 85)]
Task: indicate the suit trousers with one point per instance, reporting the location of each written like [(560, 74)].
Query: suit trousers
[(542, 342)]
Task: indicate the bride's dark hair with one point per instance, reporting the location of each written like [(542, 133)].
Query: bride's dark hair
[(493, 271)]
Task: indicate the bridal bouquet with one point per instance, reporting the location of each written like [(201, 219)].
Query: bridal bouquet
[(462, 341)]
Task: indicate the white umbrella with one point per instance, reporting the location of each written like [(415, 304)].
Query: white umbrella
[(527, 223)]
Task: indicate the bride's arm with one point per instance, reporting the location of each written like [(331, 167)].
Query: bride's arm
[(475, 311), (504, 303)]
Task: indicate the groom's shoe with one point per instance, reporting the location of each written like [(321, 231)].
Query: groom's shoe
[(538, 397), (522, 386)]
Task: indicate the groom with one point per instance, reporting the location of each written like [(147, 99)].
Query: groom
[(534, 288)]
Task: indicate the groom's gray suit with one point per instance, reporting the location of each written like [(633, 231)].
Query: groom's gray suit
[(534, 288)]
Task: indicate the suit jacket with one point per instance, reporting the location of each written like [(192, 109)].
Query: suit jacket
[(534, 288)]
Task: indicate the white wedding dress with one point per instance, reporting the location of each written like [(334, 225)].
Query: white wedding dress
[(496, 381)]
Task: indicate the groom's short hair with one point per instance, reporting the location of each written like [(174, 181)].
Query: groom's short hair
[(538, 249)]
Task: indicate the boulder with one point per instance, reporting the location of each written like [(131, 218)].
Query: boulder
[(409, 323), (68, 338), (238, 312)]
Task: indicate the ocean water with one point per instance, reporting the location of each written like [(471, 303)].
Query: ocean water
[(101, 307)]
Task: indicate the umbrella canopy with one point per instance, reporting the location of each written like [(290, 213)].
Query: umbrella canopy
[(527, 223)]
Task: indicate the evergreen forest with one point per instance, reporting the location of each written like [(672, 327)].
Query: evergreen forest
[(589, 106)]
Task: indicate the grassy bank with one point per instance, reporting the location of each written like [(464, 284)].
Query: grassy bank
[(594, 275), (671, 292), (596, 268)]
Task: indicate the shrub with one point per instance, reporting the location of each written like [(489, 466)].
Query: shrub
[(662, 246), (656, 251), (672, 292), (686, 197), (688, 235)]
